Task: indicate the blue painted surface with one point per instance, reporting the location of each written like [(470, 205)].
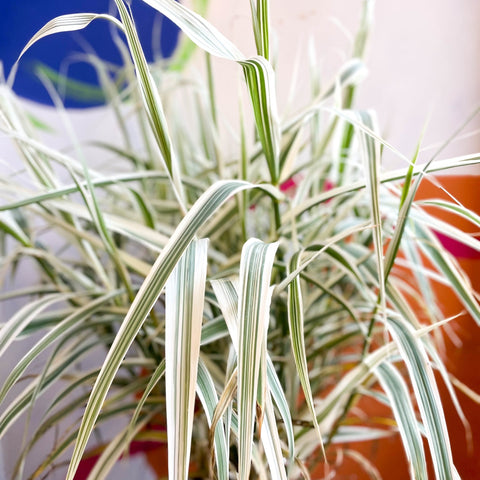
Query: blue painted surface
[(21, 19)]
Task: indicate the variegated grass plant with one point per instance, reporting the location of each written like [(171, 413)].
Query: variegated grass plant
[(262, 283)]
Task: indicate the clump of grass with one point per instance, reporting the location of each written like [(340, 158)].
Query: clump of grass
[(261, 283)]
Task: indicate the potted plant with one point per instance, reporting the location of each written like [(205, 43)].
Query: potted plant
[(237, 303)]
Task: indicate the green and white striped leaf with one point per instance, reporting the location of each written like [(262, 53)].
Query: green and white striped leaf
[(201, 32), (208, 396), (114, 450), (63, 328), (152, 102), (460, 210), (397, 391), (445, 227), (258, 72), (261, 26), (358, 433), (63, 23), (145, 299), (184, 301), (329, 407), (10, 226), (332, 405), (226, 292), (271, 442), (57, 370), (67, 441), (297, 338), (427, 395), (253, 314), (155, 377), (443, 262), (371, 158), (260, 79), (278, 395), (14, 327)]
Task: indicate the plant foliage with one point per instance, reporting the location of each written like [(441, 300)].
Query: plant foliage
[(257, 274)]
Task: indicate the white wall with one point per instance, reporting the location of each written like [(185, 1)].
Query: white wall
[(422, 58)]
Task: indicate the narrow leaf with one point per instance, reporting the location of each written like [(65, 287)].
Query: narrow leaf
[(253, 307), (63, 23), (398, 394), (184, 300), (295, 323), (145, 299), (427, 395), (208, 396), (198, 29)]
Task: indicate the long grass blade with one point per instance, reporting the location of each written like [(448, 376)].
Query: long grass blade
[(152, 102), (62, 329), (184, 300), (258, 71), (253, 307), (57, 370), (297, 338), (145, 299), (371, 157), (63, 23), (261, 23), (202, 33), (427, 395), (271, 442), (441, 259), (397, 391), (226, 292), (113, 451), (13, 327), (155, 377), (260, 79), (208, 396)]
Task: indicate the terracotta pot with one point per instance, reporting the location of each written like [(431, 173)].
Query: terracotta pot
[(461, 360), (387, 455)]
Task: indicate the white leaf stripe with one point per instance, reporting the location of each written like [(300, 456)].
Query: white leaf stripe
[(278, 395), (271, 442), (226, 292)]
